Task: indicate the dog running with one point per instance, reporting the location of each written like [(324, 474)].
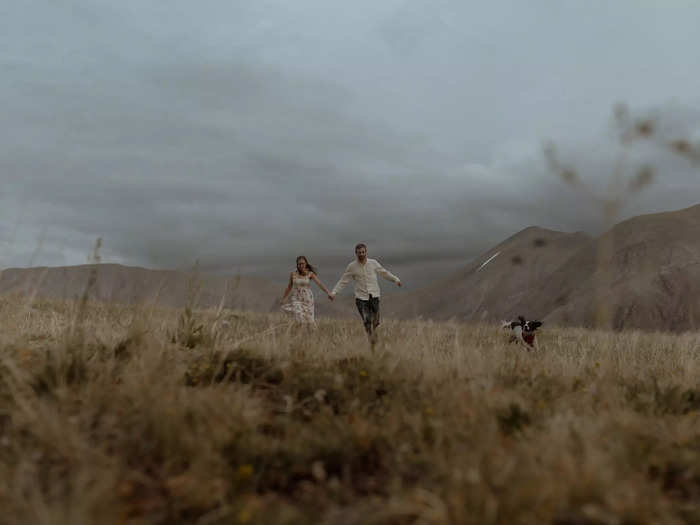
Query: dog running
[(522, 331)]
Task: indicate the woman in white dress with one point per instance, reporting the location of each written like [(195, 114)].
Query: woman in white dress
[(301, 300)]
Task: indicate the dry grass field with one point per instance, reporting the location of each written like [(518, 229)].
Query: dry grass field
[(114, 414)]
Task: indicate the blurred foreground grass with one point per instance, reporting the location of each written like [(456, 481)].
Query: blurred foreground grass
[(113, 414)]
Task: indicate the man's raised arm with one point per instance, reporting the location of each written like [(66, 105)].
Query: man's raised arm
[(344, 280)]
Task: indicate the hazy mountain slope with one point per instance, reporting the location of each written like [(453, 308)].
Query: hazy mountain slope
[(133, 285), (492, 285), (643, 273)]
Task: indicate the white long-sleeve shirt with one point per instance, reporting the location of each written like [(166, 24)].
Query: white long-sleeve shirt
[(365, 277)]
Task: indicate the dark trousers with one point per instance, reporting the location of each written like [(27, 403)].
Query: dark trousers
[(369, 311)]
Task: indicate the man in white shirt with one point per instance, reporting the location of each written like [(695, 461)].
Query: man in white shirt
[(364, 272)]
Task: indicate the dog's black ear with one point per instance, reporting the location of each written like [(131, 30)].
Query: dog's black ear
[(521, 318), (536, 324)]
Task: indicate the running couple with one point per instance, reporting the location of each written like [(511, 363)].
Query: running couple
[(362, 270)]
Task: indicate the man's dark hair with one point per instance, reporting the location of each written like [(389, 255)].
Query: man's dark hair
[(360, 245)]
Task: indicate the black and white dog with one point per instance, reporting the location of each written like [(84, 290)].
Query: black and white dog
[(523, 331)]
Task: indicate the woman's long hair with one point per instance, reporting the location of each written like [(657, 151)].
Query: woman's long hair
[(308, 264)]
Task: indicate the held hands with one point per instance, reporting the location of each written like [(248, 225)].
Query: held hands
[(331, 297), (398, 284)]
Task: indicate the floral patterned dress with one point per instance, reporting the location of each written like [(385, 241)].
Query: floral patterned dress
[(301, 300)]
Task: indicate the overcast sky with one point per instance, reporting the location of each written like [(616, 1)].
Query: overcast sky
[(240, 132)]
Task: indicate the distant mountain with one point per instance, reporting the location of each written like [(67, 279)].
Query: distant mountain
[(495, 284), (129, 285), (134, 285), (643, 273)]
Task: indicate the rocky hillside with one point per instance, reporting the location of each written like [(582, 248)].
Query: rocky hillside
[(494, 285), (642, 274)]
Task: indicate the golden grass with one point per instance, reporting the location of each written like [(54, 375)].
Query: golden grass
[(155, 416)]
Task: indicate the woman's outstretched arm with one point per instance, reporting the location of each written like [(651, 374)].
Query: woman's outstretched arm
[(320, 284), (288, 289)]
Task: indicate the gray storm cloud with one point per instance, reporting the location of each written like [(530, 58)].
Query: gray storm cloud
[(238, 132)]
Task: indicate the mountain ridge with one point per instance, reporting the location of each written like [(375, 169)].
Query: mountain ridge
[(643, 273)]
